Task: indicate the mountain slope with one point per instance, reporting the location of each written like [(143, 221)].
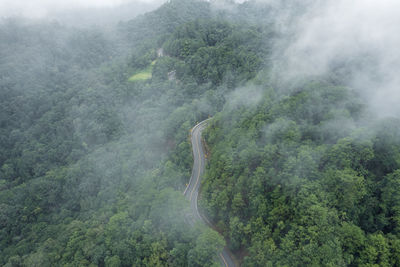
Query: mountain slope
[(93, 165), (305, 179)]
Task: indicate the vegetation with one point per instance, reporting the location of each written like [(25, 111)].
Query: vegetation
[(142, 76), (94, 160), (93, 166), (303, 179)]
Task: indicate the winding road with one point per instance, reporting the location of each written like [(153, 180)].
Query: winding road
[(192, 190)]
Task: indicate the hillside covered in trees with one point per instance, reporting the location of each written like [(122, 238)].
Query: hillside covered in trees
[(93, 165), (95, 151), (298, 180)]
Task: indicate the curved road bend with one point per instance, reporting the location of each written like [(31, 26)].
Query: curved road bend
[(192, 190)]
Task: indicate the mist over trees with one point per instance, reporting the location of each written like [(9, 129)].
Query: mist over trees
[(95, 154), (93, 165)]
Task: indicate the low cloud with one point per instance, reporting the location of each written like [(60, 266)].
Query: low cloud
[(248, 96), (42, 8), (359, 36)]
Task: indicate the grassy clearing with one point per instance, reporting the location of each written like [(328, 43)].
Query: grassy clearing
[(141, 76), (144, 74)]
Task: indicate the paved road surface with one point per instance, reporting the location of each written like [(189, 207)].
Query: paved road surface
[(192, 190)]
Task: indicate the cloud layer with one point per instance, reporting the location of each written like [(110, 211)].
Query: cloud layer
[(362, 34), (42, 8)]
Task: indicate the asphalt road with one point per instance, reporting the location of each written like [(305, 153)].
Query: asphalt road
[(192, 190)]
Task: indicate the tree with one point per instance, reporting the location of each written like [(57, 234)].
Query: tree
[(113, 261), (208, 245)]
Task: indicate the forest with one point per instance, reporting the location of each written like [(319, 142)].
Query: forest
[(95, 151)]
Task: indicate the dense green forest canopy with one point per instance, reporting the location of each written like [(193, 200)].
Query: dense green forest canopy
[(93, 164), (300, 180)]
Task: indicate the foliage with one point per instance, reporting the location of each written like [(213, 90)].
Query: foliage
[(216, 51), (295, 179), (92, 165)]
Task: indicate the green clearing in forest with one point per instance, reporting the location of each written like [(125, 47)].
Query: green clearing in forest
[(144, 74)]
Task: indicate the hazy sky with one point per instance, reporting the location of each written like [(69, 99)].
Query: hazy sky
[(41, 8)]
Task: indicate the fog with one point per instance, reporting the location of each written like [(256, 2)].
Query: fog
[(356, 39), (112, 151), (78, 13)]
